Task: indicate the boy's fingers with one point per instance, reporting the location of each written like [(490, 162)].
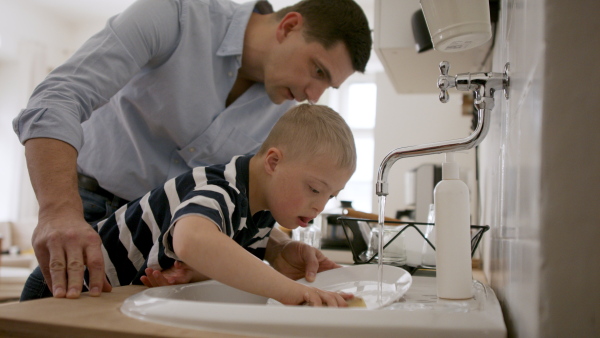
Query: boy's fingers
[(333, 299), (340, 300), (148, 280), (313, 298), (326, 298), (145, 281), (160, 278), (345, 295), (154, 278)]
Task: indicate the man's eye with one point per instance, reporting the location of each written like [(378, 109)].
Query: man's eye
[(320, 73)]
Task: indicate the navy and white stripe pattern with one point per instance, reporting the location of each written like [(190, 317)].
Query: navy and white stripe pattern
[(139, 234)]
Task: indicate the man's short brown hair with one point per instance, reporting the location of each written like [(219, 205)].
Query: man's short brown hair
[(331, 21)]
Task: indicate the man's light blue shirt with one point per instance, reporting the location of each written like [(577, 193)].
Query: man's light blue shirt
[(156, 79)]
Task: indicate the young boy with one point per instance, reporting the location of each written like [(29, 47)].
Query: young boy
[(217, 219)]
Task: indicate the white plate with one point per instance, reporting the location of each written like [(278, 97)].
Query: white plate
[(362, 281)]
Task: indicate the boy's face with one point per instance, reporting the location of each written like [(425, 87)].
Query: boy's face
[(298, 70), (301, 188)]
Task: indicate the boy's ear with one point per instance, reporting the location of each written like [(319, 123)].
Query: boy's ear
[(272, 159), (292, 21)]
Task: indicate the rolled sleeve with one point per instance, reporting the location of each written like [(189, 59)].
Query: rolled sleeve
[(47, 123)]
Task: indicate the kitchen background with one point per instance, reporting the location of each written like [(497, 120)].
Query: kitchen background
[(537, 169)]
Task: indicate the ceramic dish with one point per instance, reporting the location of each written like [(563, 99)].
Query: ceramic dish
[(362, 281)]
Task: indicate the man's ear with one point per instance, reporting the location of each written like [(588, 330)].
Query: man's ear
[(272, 158), (292, 21)]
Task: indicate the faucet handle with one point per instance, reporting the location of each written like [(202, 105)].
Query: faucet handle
[(445, 82), (444, 68), (444, 96)]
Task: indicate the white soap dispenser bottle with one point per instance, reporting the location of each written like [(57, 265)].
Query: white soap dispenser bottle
[(453, 234)]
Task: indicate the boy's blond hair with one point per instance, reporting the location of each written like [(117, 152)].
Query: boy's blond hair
[(310, 130)]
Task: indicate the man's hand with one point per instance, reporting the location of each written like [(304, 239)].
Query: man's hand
[(64, 247), (63, 242), (179, 273)]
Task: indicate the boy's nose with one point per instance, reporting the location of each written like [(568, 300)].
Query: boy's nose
[(319, 205)]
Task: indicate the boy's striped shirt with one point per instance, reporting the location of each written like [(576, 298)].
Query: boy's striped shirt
[(139, 234)]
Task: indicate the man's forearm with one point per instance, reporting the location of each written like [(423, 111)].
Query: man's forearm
[(63, 242), (52, 170)]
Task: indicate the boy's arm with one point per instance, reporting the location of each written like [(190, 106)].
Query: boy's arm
[(200, 244), (295, 259)]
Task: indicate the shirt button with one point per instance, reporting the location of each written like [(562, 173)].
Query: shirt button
[(192, 149), (176, 161), (230, 74)]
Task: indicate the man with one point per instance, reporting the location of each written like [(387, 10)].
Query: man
[(164, 87)]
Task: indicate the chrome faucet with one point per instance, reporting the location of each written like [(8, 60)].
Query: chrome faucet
[(483, 85)]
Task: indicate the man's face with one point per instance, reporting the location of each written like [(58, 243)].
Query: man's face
[(298, 70)]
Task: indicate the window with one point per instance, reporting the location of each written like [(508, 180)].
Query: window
[(356, 101)]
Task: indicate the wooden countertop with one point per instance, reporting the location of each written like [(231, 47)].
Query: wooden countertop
[(93, 317), (85, 317)]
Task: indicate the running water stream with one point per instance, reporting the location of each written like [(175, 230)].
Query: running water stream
[(380, 224)]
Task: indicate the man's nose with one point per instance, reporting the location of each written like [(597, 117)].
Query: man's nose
[(315, 90)]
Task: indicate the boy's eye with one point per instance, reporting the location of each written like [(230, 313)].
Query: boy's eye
[(313, 190)]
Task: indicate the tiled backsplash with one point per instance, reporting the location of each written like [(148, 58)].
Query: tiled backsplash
[(510, 165), (516, 163)]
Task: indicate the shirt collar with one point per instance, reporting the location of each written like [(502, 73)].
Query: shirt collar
[(233, 43), (242, 166)]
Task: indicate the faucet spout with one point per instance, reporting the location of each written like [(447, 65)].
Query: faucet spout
[(483, 85), (469, 142)]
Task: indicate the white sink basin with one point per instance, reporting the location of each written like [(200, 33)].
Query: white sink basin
[(212, 306)]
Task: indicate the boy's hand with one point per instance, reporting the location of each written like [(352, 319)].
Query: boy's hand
[(315, 297), (299, 260), (179, 273)]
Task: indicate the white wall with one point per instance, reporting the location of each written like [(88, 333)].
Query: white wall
[(32, 42), (23, 29), (405, 120), (412, 119)]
